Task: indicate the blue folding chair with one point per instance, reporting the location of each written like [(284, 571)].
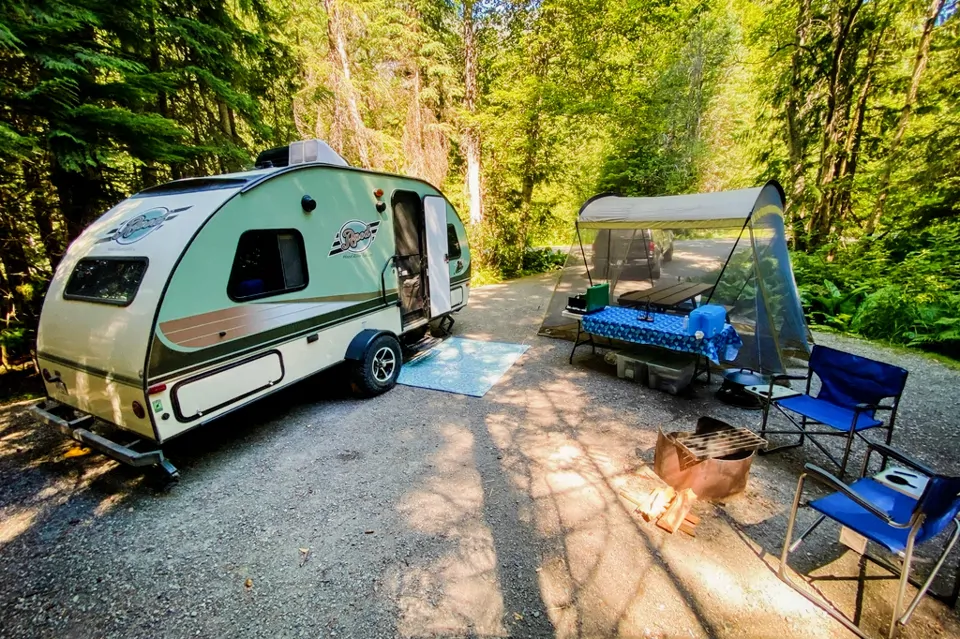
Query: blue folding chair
[(852, 389), (886, 517)]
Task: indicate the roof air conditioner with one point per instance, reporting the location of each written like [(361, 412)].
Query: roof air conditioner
[(306, 151)]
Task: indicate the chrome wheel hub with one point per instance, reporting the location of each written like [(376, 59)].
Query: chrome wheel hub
[(384, 364)]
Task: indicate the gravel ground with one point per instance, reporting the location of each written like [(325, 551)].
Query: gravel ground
[(421, 513)]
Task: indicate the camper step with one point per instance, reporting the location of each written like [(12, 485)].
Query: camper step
[(422, 346)]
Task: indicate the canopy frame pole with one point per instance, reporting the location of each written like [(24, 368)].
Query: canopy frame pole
[(647, 317), (583, 253), (729, 257), (764, 296)]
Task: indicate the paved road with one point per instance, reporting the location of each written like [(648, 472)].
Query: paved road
[(694, 258), (423, 514)]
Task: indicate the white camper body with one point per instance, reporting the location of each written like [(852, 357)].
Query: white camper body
[(196, 297)]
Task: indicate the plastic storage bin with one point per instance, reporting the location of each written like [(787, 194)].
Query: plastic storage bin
[(709, 319), (632, 366), (671, 372)]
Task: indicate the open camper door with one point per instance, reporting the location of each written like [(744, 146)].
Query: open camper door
[(435, 215)]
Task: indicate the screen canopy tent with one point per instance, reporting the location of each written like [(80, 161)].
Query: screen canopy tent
[(732, 243)]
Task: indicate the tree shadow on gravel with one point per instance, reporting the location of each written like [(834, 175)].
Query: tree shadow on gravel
[(48, 482)]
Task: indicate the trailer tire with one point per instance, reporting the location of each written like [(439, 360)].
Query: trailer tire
[(377, 371)]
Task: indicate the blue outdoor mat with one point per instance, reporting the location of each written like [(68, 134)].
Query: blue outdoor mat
[(464, 366)]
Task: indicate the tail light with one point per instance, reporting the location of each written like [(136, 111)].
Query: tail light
[(652, 246)]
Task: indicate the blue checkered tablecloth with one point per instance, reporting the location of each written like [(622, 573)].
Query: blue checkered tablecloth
[(665, 331)]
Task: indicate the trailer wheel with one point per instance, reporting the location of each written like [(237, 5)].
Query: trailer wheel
[(377, 371)]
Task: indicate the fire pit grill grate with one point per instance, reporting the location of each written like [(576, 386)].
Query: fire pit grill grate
[(721, 443)]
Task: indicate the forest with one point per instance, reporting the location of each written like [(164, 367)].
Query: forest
[(518, 111)]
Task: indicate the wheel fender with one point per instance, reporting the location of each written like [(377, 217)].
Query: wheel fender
[(360, 342)]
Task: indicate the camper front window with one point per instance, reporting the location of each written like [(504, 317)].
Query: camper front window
[(267, 262), (107, 280)]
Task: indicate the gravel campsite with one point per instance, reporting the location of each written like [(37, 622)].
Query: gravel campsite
[(427, 514)]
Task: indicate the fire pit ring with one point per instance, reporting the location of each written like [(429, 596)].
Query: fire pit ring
[(710, 477)]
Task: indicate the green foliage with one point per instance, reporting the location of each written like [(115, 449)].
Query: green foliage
[(829, 306), (541, 260), (13, 338), (837, 100), (903, 287)]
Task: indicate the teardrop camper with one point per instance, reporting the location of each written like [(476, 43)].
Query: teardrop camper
[(193, 298)]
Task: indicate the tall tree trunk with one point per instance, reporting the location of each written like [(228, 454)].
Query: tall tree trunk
[(919, 64), (226, 125), (79, 195), (149, 174), (842, 69), (341, 62), (413, 146), (471, 139), (797, 110), (851, 155), (43, 214), (18, 303)]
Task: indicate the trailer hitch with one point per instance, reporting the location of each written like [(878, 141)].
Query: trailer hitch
[(75, 429)]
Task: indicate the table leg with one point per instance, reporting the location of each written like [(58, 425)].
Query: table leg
[(576, 342)]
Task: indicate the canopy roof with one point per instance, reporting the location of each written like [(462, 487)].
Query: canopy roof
[(721, 209)]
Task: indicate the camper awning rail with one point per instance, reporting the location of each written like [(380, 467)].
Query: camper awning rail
[(194, 185)]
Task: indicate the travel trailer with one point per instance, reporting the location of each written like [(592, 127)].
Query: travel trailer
[(193, 298)]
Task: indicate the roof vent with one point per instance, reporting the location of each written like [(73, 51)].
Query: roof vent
[(300, 152), (305, 151)]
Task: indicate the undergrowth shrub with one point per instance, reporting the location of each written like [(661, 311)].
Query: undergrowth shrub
[(903, 286), (541, 260), (885, 314)]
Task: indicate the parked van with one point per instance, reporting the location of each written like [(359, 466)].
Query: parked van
[(193, 298), (637, 255)]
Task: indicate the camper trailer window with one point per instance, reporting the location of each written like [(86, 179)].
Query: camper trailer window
[(267, 263), (107, 280), (453, 243)]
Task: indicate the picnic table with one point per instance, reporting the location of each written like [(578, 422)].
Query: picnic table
[(667, 296), (664, 331)]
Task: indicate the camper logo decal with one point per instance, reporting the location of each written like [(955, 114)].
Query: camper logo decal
[(354, 237), (137, 228)]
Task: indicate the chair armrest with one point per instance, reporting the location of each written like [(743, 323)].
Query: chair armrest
[(785, 376), (864, 406), (827, 479), (886, 451)]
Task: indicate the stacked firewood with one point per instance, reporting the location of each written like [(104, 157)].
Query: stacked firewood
[(669, 508)]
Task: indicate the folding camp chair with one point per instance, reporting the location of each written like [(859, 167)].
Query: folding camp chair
[(887, 517), (851, 391)]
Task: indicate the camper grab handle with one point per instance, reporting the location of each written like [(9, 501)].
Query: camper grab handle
[(383, 280)]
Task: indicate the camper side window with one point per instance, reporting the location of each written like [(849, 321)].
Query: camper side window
[(267, 263), (108, 280), (453, 243)]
